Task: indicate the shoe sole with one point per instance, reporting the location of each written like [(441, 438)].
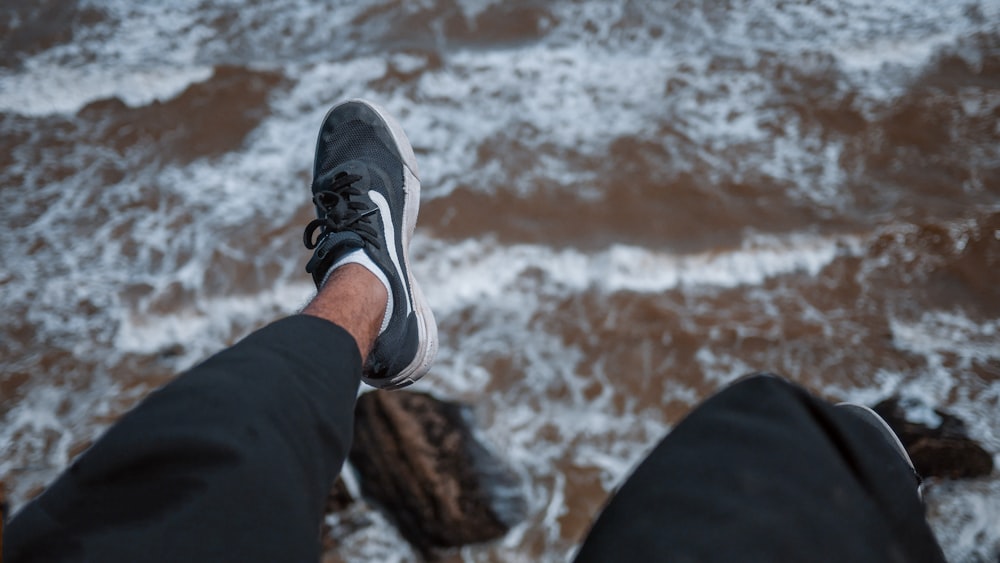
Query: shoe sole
[(426, 325)]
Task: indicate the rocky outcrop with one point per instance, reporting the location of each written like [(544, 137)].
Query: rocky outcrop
[(417, 457), (943, 451)]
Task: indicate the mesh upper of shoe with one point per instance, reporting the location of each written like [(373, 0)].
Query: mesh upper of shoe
[(357, 140)]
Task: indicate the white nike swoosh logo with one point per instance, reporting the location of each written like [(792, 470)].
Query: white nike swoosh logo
[(389, 231)]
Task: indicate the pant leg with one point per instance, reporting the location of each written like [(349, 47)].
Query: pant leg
[(763, 471), (232, 461)]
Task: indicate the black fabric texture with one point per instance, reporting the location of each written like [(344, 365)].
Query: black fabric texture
[(232, 461), (358, 135), (764, 471)]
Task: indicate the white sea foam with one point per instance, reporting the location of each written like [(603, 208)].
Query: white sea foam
[(951, 332), (42, 428), (879, 52), (472, 271), (698, 90), (204, 326), (139, 55), (968, 512), (951, 345), (376, 540), (56, 89)]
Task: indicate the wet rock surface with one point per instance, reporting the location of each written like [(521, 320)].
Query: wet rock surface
[(945, 450), (418, 458)]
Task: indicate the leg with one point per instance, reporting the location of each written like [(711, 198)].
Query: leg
[(763, 471), (231, 461)]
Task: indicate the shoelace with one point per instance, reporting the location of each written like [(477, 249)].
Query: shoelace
[(340, 211)]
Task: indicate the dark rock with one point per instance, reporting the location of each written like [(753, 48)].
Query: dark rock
[(339, 497), (417, 458), (945, 451)]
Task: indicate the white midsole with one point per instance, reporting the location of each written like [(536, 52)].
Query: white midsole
[(426, 325)]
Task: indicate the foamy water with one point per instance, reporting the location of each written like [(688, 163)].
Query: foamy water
[(625, 208)]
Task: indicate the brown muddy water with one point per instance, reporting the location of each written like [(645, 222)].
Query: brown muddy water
[(626, 205)]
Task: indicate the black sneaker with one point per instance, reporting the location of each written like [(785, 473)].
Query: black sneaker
[(367, 194), (872, 418)]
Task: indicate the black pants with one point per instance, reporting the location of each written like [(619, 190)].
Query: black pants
[(764, 471), (233, 461)]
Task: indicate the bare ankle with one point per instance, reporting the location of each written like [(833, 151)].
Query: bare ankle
[(354, 299)]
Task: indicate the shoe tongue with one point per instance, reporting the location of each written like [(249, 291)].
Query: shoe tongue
[(330, 248)]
